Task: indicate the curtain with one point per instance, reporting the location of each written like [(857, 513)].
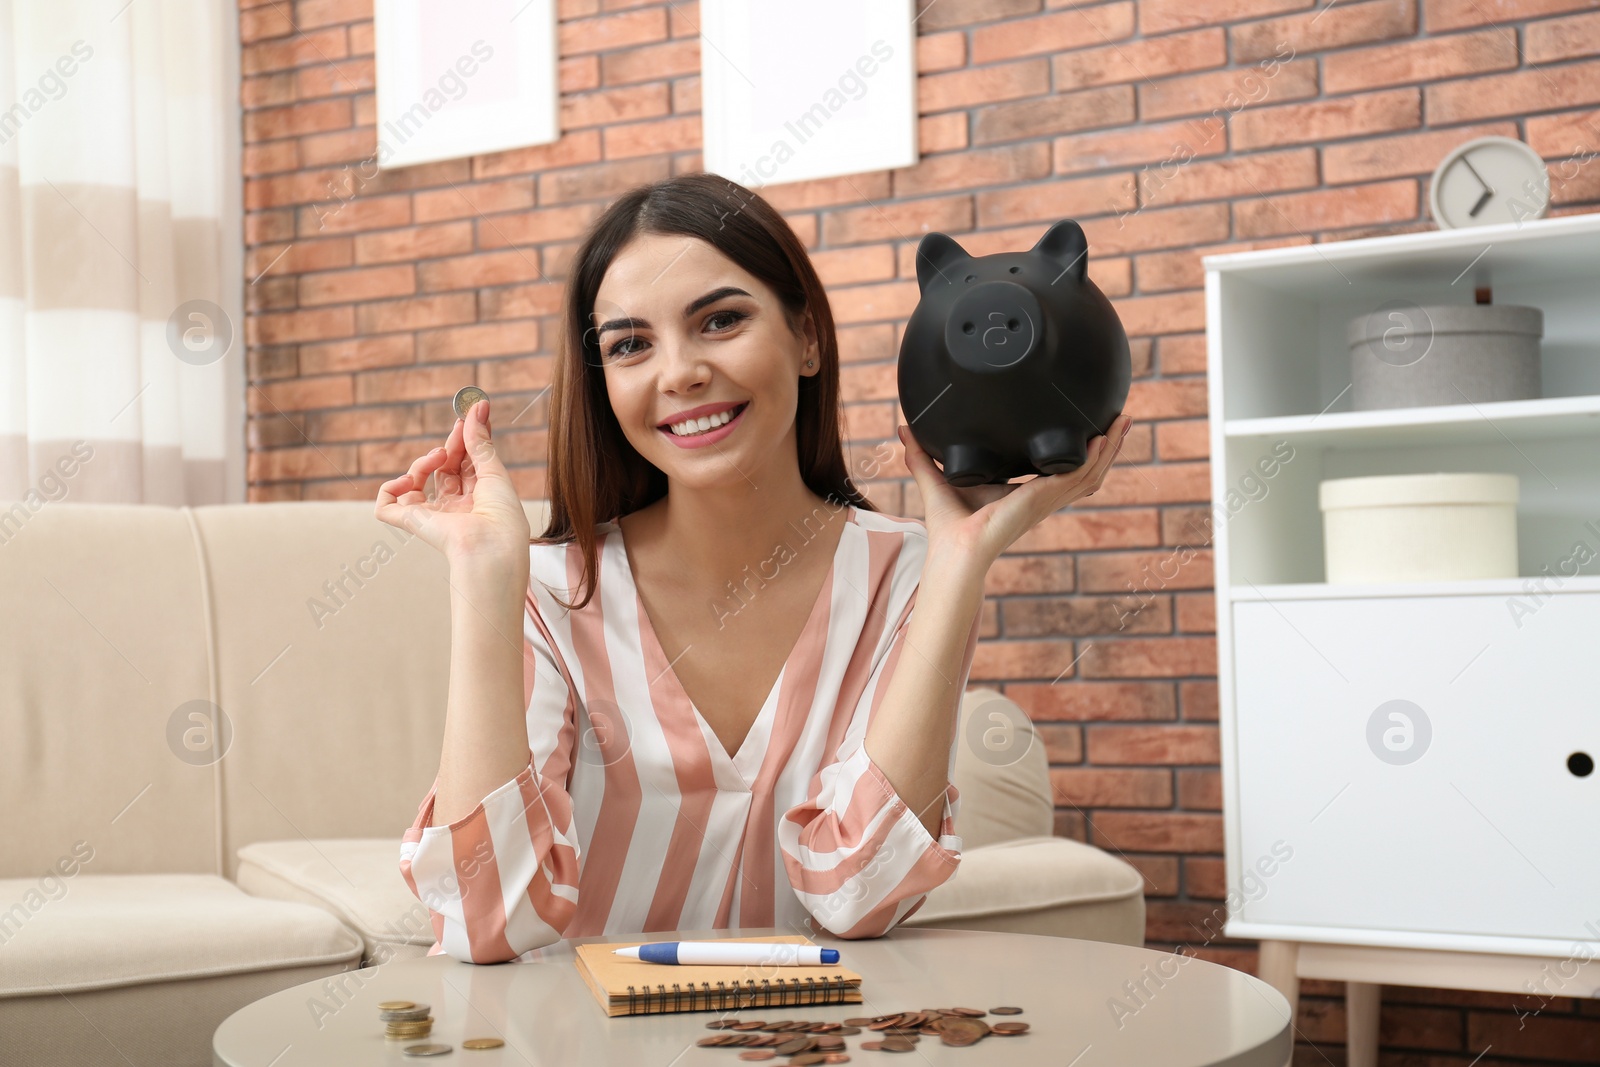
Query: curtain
[(115, 348)]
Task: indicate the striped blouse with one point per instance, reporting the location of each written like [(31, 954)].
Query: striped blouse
[(631, 817)]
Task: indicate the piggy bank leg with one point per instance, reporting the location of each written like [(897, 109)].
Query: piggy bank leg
[(968, 465), (1057, 451)]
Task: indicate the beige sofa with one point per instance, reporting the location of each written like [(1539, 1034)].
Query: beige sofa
[(168, 865)]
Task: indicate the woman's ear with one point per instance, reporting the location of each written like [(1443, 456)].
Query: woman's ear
[(813, 349)]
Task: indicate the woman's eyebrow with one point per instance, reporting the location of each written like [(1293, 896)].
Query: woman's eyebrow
[(694, 305)]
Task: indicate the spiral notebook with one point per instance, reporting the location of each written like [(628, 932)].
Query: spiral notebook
[(634, 987)]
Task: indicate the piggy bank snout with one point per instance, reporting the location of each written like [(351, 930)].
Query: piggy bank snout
[(993, 326)]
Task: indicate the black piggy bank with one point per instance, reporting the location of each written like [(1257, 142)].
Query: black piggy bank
[(1011, 362)]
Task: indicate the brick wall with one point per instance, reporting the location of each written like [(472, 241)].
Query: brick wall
[(371, 299)]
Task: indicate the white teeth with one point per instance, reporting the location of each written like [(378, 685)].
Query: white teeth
[(691, 427)]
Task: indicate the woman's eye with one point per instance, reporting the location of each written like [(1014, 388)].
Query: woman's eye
[(616, 351), (733, 317)]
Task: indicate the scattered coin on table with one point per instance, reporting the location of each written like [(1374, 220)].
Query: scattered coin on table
[(426, 1050), (896, 1032), (405, 1020), (482, 1042), (465, 397)]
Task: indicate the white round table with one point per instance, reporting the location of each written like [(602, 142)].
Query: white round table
[(1088, 1004)]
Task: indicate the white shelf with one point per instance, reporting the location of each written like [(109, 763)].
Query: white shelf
[(1507, 587), (1447, 424)]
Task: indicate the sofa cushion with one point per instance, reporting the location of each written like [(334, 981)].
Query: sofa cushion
[(1038, 875), (125, 929), (357, 880), (1001, 771)]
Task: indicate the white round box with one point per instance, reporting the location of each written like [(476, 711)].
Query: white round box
[(1419, 527)]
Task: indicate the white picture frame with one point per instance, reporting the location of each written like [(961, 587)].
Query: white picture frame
[(792, 92), (464, 78)]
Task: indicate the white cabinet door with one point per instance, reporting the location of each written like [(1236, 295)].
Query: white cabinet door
[(1453, 813)]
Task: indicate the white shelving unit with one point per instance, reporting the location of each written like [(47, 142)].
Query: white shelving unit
[(1475, 864)]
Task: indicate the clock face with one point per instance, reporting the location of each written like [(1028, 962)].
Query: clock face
[(1490, 180)]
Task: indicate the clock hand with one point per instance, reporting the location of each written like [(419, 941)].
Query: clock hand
[(1468, 163), (1482, 200)]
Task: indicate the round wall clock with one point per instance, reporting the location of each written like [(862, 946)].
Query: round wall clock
[(1489, 180)]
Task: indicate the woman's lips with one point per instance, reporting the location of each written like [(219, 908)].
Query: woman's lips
[(710, 437)]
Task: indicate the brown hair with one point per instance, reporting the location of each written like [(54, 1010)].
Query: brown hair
[(595, 475)]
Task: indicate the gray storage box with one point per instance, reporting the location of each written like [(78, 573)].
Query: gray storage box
[(1411, 356)]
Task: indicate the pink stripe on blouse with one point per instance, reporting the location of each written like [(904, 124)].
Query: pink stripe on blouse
[(631, 816)]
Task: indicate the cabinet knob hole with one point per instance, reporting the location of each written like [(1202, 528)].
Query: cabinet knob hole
[(1580, 764)]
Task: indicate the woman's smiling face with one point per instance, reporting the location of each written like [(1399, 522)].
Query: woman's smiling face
[(681, 327)]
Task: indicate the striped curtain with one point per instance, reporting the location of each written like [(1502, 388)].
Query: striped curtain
[(114, 348)]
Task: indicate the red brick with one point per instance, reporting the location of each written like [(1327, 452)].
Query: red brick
[(950, 214), (361, 353), (278, 464), (1198, 701), (1052, 200), (536, 227), (1199, 790), (828, 192), (417, 383), (267, 90), (1062, 744), (1157, 832), (1072, 530), (1188, 439), (519, 301), (1413, 153), (1204, 877), (1197, 613), (474, 198), (1083, 701), (1556, 39), (574, 148), (1029, 574), (1086, 616), (1444, 15), (1133, 61), (1058, 32), (336, 79), (1183, 354), (650, 138), (1164, 483), (1093, 787), (1156, 228), (1558, 136), (941, 133), (1328, 209), (414, 242), (849, 266), (1325, 28), (607, 106), (296, 119), (1329, 120), (353, 215), (314, 14), (348, 286), (871, 303), (941, 51), (1160, 874), (299, 394), (1150, 657), (317, 46), (288, 326), (1236, 176), (275, 157), (261, 23), (670, 59), (502, 376), (1146, 315), (416, 313), (1163, 16), (612, 32), (1157, 142), (603, 181), (482, 268), (1107, 105), (982, 85), (1490, 96), (1145, 572), (994, 166), (943, 14), (1005, 660), (512, 338), (1427, 60), (1169, 398), (1227, 91)]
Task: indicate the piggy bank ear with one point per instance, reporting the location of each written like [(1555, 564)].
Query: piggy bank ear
[(937, 257), (1065, 244)]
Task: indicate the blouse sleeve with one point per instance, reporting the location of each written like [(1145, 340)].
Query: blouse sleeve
[(503, 880), (858, 857)]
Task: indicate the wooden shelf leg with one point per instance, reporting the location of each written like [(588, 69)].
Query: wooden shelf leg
[(1361, 1001), (1278, 960)]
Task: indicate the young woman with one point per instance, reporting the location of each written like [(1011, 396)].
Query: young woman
[(701, 699)]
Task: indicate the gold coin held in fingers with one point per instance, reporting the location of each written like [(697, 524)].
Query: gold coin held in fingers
[(482, 1042), (467, 396)]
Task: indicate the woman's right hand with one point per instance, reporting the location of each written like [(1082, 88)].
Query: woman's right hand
[(475, 511)]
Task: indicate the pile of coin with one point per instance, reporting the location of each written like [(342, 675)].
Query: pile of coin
[(823, 1042), (405, 1019)]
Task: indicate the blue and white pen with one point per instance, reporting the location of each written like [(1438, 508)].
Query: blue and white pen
[(747, 953)]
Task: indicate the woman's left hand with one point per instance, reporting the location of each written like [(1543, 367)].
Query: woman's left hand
[(982, 521)]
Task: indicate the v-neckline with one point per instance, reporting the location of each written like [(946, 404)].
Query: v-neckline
[(647, 632)]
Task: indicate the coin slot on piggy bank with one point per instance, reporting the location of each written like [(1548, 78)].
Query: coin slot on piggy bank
[(1011, 362)]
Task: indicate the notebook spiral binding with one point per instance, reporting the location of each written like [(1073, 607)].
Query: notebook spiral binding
[(765, 993)]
